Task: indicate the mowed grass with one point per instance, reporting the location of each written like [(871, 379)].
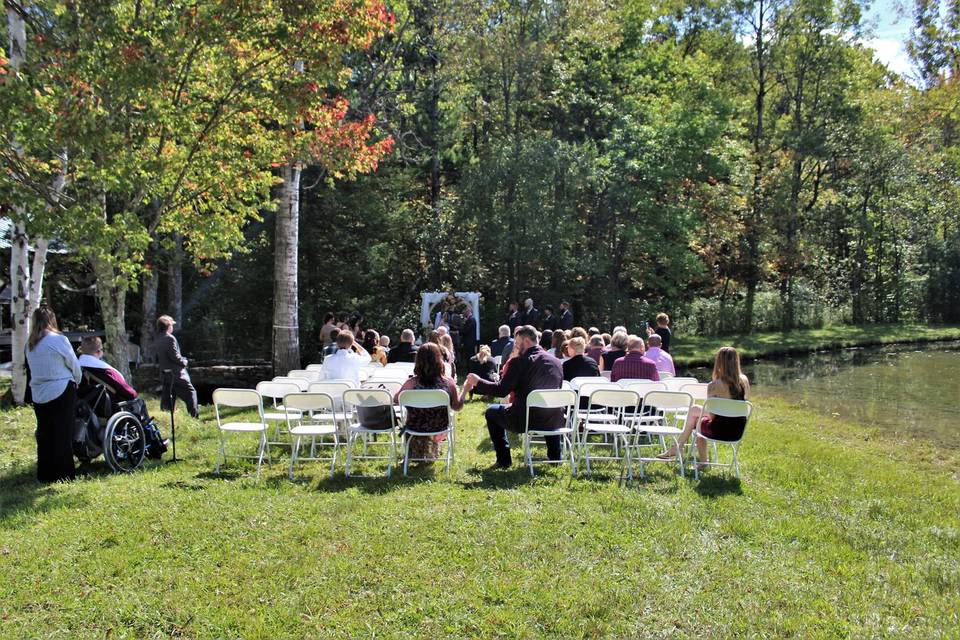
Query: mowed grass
[(833, 531), (697, 350)]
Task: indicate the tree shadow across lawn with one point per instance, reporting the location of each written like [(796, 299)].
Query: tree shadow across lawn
[(21, 495), (716, 486)]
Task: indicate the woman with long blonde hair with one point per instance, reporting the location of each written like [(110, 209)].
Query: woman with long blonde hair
[(727, 381), (54, 375)]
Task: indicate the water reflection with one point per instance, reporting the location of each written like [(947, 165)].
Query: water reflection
[(910, 390)]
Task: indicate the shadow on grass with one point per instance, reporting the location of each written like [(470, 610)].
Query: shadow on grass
[(716, 486), (21, 494)]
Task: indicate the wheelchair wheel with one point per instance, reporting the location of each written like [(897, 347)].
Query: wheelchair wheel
[(124, 442)]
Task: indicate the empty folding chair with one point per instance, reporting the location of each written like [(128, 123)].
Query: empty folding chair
[(274, 393), (370, 414), (616, 431), (558, 399), (585, 407), (674, 384), (416, 399), (696, 389), (240, 399), (300, 382), (312, 376), (335, 389), (664, 415), (722, 409), (576, 382), (310, 405), (315, 367)]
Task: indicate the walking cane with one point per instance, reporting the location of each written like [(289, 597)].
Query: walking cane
[(168, 378)]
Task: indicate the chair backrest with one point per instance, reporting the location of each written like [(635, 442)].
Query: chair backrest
[(665, 375), (373, 364), (312, 376), (697, 389), (551, 399), (642, 387), (314, 367), (674, 384), (668, 401), (606, 375), (589, 388), (367, 398), (277, 390), (424, 398), (390, 386), (333, 388), (300, 383), (237, 399), (400, 365), (615, 398), (309, 401), (728, 408), (566, 385), (576, 382)]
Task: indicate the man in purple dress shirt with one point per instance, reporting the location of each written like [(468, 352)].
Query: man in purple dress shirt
[(661, 358), (634, 364)]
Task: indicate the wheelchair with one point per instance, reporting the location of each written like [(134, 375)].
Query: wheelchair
[(122, 431)]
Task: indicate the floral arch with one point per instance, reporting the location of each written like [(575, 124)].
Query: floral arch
[(428, 299)]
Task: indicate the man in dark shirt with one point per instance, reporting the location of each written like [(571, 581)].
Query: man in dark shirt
[(550, 321), (579, 365), (530, 315), (170, 359), (566, 316), (534, 369), (513, 318), (468, 334), (406, 351)]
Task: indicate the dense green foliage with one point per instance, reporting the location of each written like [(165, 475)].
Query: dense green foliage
[(834, 531)]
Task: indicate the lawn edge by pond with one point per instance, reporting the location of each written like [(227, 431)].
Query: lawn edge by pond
[(697, 351), (835, 530)]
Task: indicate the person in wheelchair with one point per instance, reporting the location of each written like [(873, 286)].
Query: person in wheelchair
[(107, 392)]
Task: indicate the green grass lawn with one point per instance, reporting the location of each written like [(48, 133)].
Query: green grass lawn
[(695, 350), (833, 531)]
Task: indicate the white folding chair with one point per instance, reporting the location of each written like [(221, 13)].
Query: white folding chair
[(560, 399), (275, 392), (566, 385), (698, 390), (729, 409), (315, 367), (312, 376), (616, 431), (584, 406), (305, 426), (240, 399), (406, 366), (576, 382), (665, 375), (426, 399), (300, 382), (354, 401), (666, 413), (335, 389), (674, 384)]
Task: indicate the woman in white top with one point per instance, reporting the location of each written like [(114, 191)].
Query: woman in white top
[(54, 374)]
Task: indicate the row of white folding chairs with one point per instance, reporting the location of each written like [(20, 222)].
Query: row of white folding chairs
[(319, 414), (660, 414)]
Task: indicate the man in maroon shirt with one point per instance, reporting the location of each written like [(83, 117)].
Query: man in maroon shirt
[(634, 364)]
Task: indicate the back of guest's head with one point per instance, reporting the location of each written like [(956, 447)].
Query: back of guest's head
[(527, 331), (726, 367), (345, 339), (619, 340), (546, 338), (581, 333), (428, 365), (443, 330), (528, 302), (606, 338), (164, 323), (503, 331), (596, 340), (384, 340), (328, 317), (371, 340), (620, 329), (434, 337), (334, 333), (663, 319), (483, 353), (565, 304), (654, 341), (42, 321), (593, 331), (447, 342), (407, 336), (634, 343), (91, 345), (577, 345), (559, 337)]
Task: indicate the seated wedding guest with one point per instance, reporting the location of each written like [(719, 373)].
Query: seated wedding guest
[(727, 381), (634, 364), (546, 339), (406, 351), (533, 369), (578, 365), (345, 364), (606, 340), (618, 349), (558, 344), (580, 332), (662, 330), (428, 374), (483, 366), (330, 349), (328, 326), (503, 337), (449, 355), (661, 358), (595, 348), (593, 331), (371, 344), (620, 329), (385, 343), (91, 357), (54, 375)]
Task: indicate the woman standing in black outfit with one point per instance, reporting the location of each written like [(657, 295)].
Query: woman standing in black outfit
[(54, 374)]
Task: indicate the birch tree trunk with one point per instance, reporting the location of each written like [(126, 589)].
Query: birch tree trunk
[(286, 326), (150, 282)]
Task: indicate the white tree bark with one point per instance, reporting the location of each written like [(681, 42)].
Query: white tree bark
[(286, 328)]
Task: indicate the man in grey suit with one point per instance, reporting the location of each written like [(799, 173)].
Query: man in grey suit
[(169, 358)]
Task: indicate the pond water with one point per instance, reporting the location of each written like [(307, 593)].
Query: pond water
[(910, 390)]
